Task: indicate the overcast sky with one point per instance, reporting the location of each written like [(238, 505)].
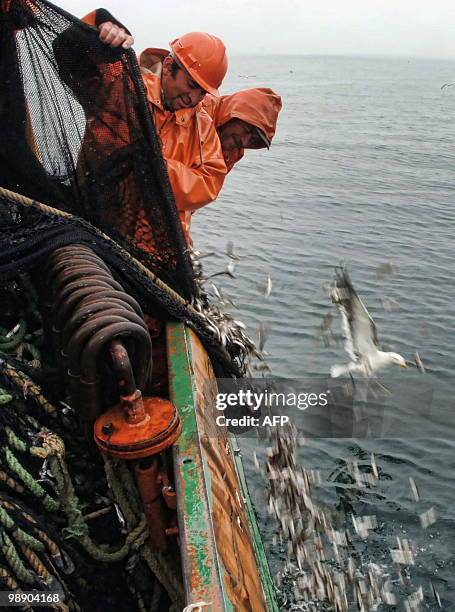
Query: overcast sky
[(410, 28)]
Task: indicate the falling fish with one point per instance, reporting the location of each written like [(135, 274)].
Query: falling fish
[(414, 489), (436, 596), (374, 467), (403, 554), (256, 462), (265, 288), (387, 596), (121, 519), (386, 269), (390, 305), (419, 363), (263, 332), (230, 268), (363, 524), (230, 251), (428, 518), (413, 602), (13, 331), (216, 291), (404, 557)]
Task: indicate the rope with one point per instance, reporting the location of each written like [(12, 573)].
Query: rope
[(32, 350), (7, 579), (18, 533), (10, 482), (129, 484), (15, 441), (50, 504), (156, 562), (5, 397), (14, 561), (5, 575), (77, 526), (28, 387), (36, 564), (134, 540), (160, 567), (117, 490), (52, 444)]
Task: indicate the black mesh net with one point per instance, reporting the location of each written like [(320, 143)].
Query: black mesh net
[(76, 133)]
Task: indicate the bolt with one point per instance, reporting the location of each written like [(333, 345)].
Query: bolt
[(107, 429)]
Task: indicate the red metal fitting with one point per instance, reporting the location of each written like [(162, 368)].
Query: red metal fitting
[(137, 427), (152, 501)]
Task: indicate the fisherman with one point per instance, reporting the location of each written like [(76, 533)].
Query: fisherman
[(244, 120), (176, 82)]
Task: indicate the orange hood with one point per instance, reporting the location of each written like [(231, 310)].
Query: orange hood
[(259, 107), (150, 57)]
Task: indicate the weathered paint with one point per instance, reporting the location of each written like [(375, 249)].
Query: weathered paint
[(210, 540), (199, 561), (266, 579), (234, 540)]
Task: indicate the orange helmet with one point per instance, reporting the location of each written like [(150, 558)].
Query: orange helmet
[(204, 57)]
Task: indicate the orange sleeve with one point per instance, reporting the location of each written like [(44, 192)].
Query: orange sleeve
[(90, 19), (197, 185), (99, 16)]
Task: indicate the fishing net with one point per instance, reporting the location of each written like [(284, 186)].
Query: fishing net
[(77, 134)]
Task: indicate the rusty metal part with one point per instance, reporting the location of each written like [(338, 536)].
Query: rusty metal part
[(147, 478), (89, 311), (99, 330), (122, 368), (170, 497), (137, 427), (172, 531)]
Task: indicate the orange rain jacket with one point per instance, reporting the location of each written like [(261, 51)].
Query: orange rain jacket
[(190, 144), (259, 107)]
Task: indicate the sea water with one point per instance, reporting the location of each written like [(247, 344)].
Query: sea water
[(361, 172)]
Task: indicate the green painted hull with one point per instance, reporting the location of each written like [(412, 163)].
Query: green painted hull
[(223, 559)]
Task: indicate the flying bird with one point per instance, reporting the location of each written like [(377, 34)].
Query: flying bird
[(360, 333)]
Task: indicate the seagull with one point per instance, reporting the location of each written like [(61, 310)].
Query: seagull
[(360, 333)]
